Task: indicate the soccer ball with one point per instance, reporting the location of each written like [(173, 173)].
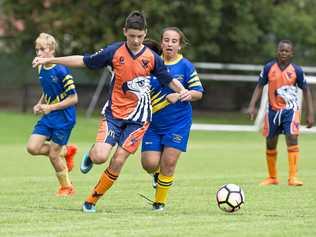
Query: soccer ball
[(230, 197)]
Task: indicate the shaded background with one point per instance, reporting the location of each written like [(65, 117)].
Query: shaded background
[(230, 31)]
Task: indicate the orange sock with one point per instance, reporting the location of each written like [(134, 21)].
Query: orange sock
[(293, 156), (271, 157), (105, 182), (163, 186)]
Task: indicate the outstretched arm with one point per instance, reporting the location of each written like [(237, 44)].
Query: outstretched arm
[(255, 97), (310, 111), (70, 61)]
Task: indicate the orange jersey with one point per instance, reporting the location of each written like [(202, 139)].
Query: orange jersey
[(130, 87), (282, 84)]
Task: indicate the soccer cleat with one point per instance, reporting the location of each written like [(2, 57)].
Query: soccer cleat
[(295, 182), (66, 191), (69, 157), (86, 164), (88, 207), (155, 180), (269, 181), (157, 206)]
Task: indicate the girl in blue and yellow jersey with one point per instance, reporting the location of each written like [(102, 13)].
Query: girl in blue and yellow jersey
[(168, 133), (283, 79), (57, 107)]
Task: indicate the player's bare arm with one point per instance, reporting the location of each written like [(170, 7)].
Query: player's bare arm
[(310, 111), (71, 61), (69, 101), (255, 97)]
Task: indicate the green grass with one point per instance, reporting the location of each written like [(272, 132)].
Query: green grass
[(28, 206)]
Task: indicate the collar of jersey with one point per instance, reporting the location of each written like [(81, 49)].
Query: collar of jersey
[(50, 67), (178, 58)]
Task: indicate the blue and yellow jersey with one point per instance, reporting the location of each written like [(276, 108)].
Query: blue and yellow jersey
[(130, 87), (166, 115), (57, 83), (282, 84)]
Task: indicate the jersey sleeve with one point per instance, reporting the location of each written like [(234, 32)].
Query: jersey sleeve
[(300, 77), (67, 80), (160, 71), (263, 77), (101, 58), (194, 82)]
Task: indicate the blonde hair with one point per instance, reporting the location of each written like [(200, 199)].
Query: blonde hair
[(47, 40)]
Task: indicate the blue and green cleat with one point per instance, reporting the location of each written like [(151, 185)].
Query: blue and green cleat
[(88, 207), (86, 163)]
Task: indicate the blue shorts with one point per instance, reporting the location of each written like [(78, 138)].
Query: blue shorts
[(127, 134), (286, 121), (176, 137), (57, 135)]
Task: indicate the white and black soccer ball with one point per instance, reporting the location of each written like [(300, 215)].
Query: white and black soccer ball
[(230, 197)]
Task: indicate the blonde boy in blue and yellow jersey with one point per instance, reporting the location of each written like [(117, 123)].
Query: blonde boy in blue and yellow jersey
[(57, 107)]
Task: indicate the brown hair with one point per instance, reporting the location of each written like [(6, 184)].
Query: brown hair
[(183, 39), (136, 20)]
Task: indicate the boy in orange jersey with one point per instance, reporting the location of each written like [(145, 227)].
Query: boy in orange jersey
[(283, 115), (128, 111)]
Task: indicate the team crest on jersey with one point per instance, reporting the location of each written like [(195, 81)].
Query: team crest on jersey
[(122, 60), (54, 79), (289, 74), (145, 63)]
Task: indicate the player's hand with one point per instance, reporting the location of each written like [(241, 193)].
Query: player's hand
[(173, 97), (310, 121), (252, 112), (39, 61), (37, 109), (185, 95), (46, 108)]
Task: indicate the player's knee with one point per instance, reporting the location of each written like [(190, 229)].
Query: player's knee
[(149, 165), (32, 149), (98, 157)]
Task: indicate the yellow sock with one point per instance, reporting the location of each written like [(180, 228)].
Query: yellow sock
[(63, 178), (293, 156), (105, 182), (271, 156), (164, 183)]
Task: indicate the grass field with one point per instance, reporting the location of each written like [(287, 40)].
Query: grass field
[(28, 206)]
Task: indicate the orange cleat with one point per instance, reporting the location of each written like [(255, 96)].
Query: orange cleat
[(66, 191), (269, 181), (69, 157), (295, 182)]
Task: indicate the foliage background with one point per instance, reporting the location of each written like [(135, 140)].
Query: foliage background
[(239, 31)]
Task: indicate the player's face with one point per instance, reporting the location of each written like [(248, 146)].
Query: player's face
[(134, 38), (170, 44), (285, 52), (43, 51)]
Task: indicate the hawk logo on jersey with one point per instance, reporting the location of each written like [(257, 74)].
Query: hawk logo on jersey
[(140, 86), (289, 95)]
